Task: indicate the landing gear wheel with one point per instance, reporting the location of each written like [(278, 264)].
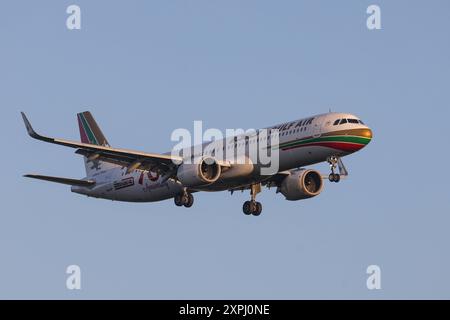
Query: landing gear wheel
[(334, 177), (252, 207), (189, 200), (337, 177), (247, 208), (185, 199), (258, 209), (178, 200)]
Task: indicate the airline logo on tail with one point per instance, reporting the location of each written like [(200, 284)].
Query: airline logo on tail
[(90, 131)]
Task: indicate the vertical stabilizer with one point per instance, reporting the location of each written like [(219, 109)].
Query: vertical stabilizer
[(90, 133)]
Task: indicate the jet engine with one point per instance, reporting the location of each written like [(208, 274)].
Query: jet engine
[(200, 173), (301, 184)]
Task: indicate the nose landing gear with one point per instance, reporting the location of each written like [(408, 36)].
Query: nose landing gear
[(336, 162), (333, 177)]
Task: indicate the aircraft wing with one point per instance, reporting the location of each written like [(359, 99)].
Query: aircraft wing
[(128, 158)]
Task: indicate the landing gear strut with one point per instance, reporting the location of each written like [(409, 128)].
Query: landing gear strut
[(253, 207), (184, 199), (333, 161)]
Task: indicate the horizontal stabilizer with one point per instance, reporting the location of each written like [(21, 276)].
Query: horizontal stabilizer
[(70, 182)]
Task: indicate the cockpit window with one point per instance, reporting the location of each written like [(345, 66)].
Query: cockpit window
[(343, 121)]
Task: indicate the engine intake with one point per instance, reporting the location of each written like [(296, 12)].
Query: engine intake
[(200, 173), (302, 184)]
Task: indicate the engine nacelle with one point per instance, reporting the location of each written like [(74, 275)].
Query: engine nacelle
[(200, 173), (302, 184)]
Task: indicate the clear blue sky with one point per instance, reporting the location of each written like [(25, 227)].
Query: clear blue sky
[(145, 68)]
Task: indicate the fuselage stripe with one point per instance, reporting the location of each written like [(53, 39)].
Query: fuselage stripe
[(338, 145), (344, 139)]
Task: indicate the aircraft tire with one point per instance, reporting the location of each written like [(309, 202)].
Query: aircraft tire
[(247, 208), (258, 209), (189, 200)]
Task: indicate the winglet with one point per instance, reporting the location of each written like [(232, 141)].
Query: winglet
[(30, 130)]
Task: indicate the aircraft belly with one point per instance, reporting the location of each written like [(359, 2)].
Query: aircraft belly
[(130, 190), (149, 191), (305, 156), (222, 185)]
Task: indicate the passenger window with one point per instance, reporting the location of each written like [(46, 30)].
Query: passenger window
[(336, 122), (343, 121)]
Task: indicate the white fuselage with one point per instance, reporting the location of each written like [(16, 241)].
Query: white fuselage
[(301, 143)]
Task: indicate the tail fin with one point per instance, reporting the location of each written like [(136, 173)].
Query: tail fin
[(90, 133)]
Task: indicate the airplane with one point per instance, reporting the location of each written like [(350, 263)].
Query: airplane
[(135, 176)]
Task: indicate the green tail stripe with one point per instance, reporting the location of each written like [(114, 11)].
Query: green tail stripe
[(88, 130)]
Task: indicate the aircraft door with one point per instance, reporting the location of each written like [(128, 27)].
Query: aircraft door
[(317, 128)]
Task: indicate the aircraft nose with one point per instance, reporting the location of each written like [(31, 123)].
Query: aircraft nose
[(366, 133)]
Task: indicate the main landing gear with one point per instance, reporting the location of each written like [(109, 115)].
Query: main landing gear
[(184, 199), (253, 207)]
